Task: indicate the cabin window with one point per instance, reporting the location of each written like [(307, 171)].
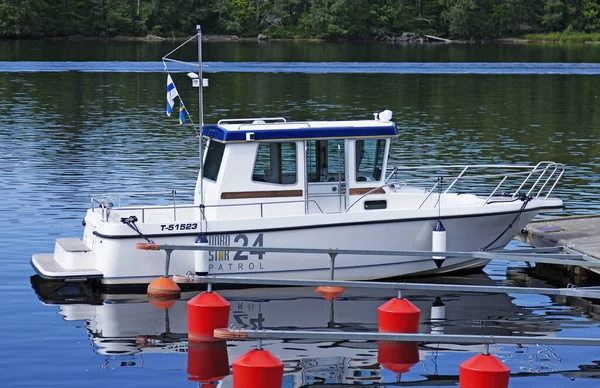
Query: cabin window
[(374, 205), (276, 163), (325, 160), (369, 159), (212, 161)]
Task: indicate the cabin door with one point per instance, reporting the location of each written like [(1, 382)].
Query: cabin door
[(325, 176)]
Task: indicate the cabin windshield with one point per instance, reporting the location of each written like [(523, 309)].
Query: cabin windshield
[(212, 162), (369, 159), (276, 163)]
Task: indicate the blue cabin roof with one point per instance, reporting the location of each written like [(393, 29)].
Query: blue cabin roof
[(300, 130)]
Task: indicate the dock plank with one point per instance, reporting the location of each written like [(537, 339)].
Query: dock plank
[(579, 233)]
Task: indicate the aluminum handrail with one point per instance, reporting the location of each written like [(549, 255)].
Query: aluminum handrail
[(141, 193), (530, 171), (545, 173), (106, 196), (193, 206)]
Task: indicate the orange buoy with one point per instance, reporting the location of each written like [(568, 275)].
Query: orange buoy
[(206, 312), (483, 371), (397, 356), (162, 303), (164, 287), (398, 316), (208, 362), (329, 292), (257, 368)]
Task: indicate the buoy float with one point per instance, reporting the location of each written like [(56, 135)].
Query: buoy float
[(163, 304), (330, 292), (483, 370), (206, 312), (257, 368), (438, 243), (201, 257), (398, 315), (163, 288), (208, 362), (397, 356)]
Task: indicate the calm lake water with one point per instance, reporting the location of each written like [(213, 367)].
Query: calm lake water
[(88, 117)]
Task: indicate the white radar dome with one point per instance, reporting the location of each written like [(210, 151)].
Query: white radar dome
[(385, 116)]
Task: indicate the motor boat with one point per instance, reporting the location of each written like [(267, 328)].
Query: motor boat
[(271, 182)]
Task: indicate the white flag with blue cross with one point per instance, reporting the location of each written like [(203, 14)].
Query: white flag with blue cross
[(171, 95)]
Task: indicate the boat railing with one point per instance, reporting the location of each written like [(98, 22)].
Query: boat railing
[(108, 198), (106, 201), (538, 181), (106, 207)]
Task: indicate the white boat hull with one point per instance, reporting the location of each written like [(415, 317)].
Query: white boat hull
[(118, 261)]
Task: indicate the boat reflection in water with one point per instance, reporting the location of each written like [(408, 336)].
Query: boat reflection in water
[(128, 324)]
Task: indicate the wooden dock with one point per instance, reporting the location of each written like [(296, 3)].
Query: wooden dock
[(578, 233)]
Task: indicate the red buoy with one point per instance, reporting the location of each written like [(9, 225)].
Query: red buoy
[(206, 312), (398, 316), (397, 356), (257, 368), (164, 287), (207, 362), (483, 371)]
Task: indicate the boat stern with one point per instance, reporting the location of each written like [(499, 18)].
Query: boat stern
[(72, 260)]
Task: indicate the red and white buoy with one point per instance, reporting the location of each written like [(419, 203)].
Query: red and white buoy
[(206, 312), (257, 368), (483, 370)]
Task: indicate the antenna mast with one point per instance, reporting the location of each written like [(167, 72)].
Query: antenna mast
[(201, 112)]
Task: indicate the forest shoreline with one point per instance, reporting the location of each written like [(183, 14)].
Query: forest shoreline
[(235, 38)]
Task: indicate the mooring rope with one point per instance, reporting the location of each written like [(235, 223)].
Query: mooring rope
[(130, 221), (525, 199)]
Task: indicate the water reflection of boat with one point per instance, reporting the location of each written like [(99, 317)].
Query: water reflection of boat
[(128, 324)]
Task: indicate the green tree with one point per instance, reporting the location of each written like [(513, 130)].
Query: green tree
[(121, 17), (591, 15), (466, 20), (336, 19), (514, 17), (16, 18), (553, 17), (390, 17), (237, 16)]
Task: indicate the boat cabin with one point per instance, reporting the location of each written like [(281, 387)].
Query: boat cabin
[(269, 167)]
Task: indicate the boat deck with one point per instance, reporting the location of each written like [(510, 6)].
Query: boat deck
[(579, 233)]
